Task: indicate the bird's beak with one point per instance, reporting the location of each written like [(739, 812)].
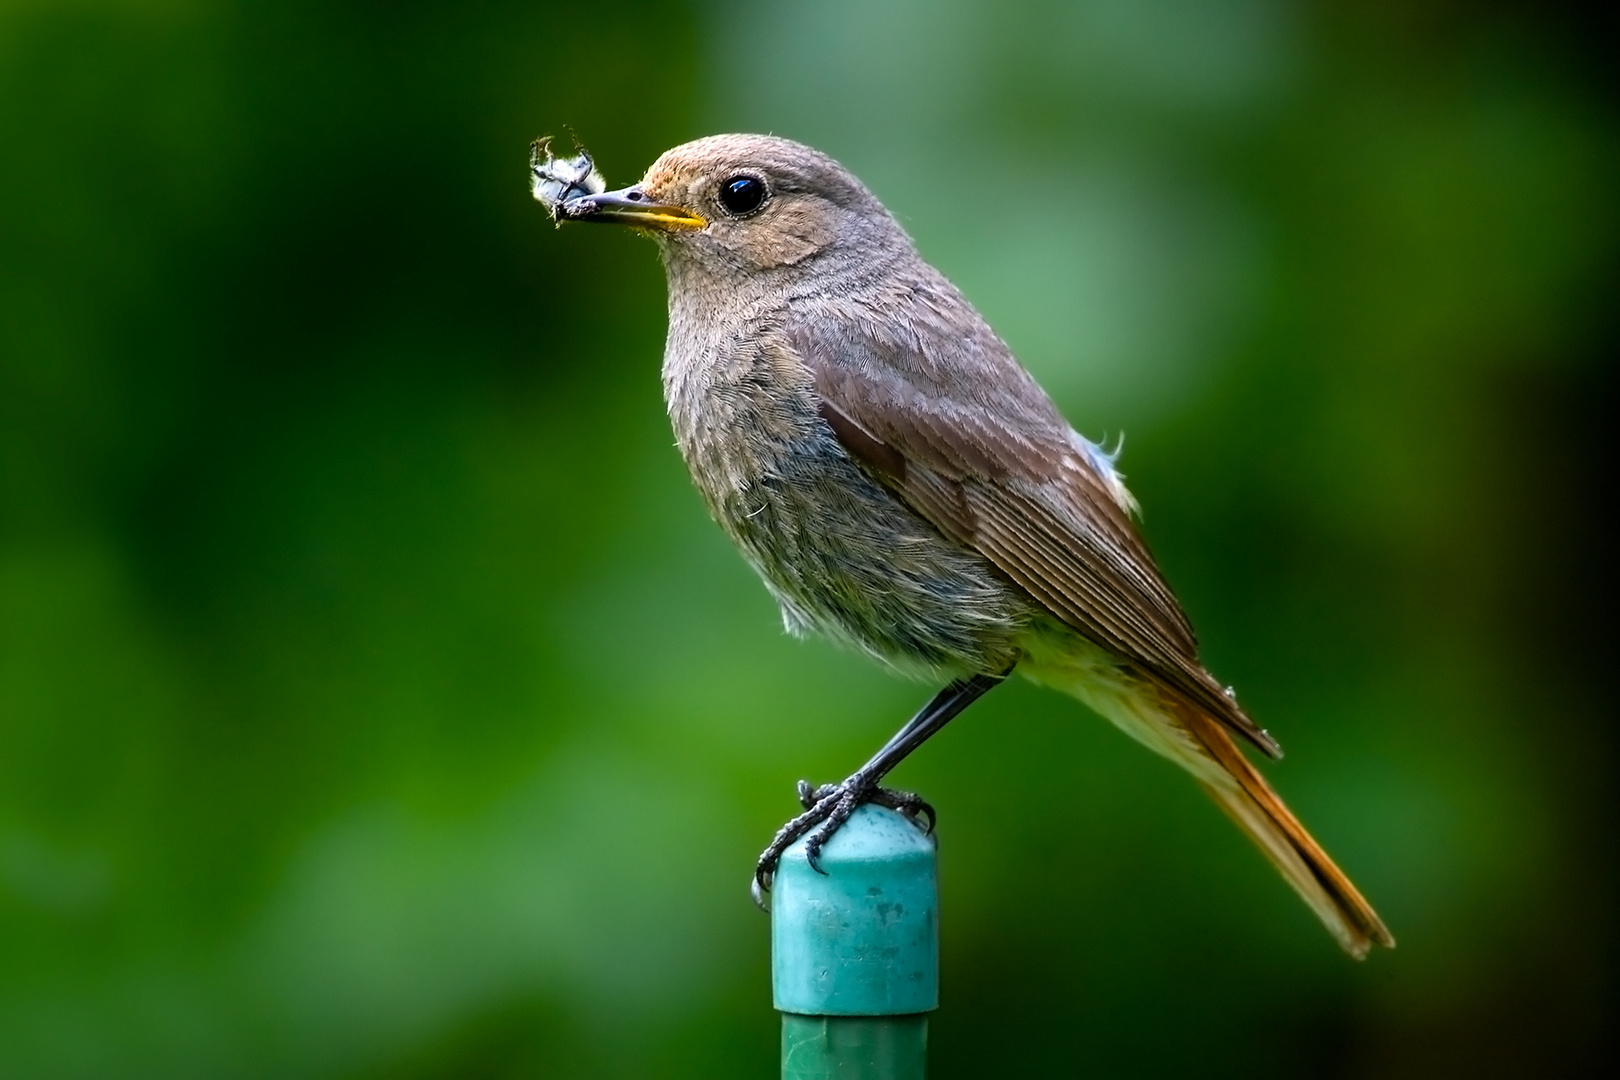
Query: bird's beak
[(631, 206)]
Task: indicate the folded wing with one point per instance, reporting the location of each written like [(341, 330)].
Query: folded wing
[(961, 433)]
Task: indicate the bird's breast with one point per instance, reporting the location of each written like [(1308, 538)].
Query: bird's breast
[(842, 555)]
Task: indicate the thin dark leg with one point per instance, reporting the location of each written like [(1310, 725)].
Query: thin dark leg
[(941, 710), (831, 804)]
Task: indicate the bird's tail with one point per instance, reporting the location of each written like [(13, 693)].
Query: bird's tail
[(1201, 745), (1243, 793)]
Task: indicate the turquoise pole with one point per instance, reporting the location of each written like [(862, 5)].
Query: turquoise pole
[(855, 952)]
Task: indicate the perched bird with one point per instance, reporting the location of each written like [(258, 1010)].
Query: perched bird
[(903, 486)]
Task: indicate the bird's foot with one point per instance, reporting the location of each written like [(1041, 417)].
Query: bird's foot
[(826, 808)]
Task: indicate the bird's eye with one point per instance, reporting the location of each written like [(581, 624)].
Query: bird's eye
[(742, 194)]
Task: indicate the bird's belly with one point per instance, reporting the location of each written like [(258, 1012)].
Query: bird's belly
[(845, 558)]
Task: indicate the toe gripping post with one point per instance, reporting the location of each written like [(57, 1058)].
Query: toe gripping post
[(855, 951)]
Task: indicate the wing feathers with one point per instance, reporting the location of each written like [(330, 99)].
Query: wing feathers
[(1009, 479)]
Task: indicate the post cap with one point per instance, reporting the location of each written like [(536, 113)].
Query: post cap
[(863, 939)]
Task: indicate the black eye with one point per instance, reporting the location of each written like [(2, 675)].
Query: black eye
[(742, 194)]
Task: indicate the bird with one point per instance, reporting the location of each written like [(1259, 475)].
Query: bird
[(904, 487)]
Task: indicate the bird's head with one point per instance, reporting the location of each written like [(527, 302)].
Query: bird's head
[(749, 202)]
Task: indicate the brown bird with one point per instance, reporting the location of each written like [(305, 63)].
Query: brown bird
[(903, 485)]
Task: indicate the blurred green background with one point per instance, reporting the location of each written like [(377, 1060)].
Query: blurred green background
[(377, 701)]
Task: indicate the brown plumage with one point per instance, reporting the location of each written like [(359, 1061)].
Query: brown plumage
[(903, 485)]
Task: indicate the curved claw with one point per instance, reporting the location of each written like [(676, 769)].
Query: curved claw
[(842, 808), (760, 890), (812, 852), (928, 810), (765, 869), (912, 806), (810, 796)]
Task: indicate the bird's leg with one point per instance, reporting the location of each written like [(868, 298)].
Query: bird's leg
[(830, 805)]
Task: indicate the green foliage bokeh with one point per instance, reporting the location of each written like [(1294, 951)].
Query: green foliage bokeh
[(377, 701)]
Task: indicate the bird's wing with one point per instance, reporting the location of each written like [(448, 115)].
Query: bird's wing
[(963, 435)]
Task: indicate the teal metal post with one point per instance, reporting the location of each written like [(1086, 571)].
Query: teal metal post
[(855, 952)]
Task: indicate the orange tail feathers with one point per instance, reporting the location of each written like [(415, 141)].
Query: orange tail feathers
[(1246, 797)]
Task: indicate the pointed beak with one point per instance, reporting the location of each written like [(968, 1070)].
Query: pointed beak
[(631, 206)]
